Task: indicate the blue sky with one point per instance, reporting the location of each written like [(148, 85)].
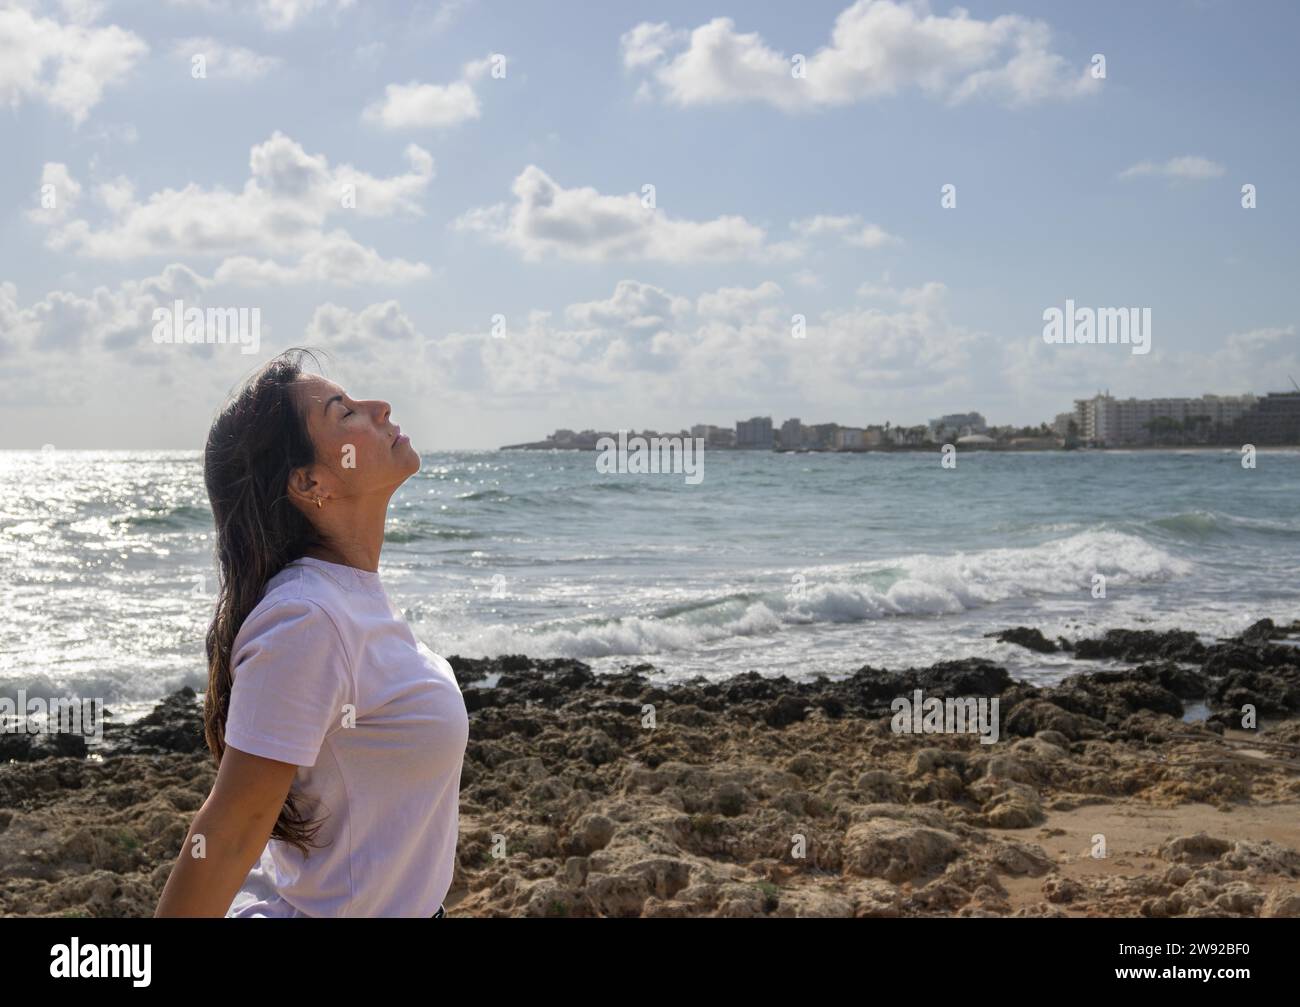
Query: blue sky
[(512, 186)]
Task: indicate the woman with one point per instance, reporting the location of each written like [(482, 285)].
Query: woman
[(338, 736)]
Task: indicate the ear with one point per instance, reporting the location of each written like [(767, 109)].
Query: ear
[(302, 487)]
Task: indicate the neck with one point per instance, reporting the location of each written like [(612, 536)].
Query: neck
[(352, 532)]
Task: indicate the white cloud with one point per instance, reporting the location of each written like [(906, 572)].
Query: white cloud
[(278, 15), (1263, 358), (735, 302), (583, 225), (1189, 167), (282, 209), (877, 48), (281, 14), (336, 258), (634, 306), (911, 347), (429, 106), (64, 322), (66, 65), (1262, 340), (208, 6), (809, 280), (222, 61), (367, 333), (423, 106), (83, 11), (647, 345), (647, 44), (1255, 360), (852, 229)]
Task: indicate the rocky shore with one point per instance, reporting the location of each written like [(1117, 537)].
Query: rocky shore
[(1129, 789)]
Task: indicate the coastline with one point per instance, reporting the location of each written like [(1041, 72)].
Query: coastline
[(755, 796)]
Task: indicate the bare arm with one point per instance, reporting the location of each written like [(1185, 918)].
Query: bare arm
[(235, 822)]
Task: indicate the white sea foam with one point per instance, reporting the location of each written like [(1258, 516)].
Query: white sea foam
[(918, 585)]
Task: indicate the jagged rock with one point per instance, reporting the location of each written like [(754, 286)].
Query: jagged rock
[(1062, 889), (1281, 904), (1142, 645), (592, 832), (1023, 636), (1034, 716), (1275, 692), (174, 725), (878, 785), (1038, 747), (896, 851), (1197, 847)]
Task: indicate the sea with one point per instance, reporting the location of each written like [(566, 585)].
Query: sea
[(778, 563)]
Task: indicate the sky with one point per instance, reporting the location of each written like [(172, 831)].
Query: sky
[(509, 217)]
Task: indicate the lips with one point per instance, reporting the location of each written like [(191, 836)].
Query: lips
[(400, 438)]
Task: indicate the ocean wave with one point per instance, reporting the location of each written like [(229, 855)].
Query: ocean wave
[(919, 585), (181, 516), (628, 635), (1193, 524), (402, 532), (1202, 524)]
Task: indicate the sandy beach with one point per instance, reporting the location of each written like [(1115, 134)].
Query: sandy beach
[(1129, 789)]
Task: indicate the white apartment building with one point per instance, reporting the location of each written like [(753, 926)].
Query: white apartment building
[(1109, 421), (850, 439)]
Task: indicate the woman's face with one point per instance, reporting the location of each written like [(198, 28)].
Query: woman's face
[(359, 450)]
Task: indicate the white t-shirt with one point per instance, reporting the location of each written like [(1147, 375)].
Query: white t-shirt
[(324, 649)]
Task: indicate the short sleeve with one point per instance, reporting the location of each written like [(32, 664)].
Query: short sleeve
[(291, 682)]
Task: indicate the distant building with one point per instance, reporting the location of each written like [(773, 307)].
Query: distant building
[(820, 436), (958, 424), (1061, 425), (754, 433), (1274, 419), (791, 434), (1108, 422), (570, 439), (850, 439), (714, 437)]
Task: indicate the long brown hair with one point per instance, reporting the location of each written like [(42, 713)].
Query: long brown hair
[(259, 437)]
